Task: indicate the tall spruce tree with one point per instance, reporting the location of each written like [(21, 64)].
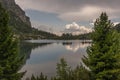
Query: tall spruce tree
[(9, 61), (104, 54)]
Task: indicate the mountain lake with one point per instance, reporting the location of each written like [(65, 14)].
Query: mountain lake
[(43, 55)]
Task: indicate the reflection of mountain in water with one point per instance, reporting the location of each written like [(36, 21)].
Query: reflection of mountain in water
[(74, 46), (26, 48)]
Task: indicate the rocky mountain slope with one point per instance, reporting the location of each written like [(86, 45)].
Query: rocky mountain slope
[(18, 19), (20, 23)]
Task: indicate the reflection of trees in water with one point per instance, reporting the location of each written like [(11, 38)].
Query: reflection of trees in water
[(27, 47), (67, 43)]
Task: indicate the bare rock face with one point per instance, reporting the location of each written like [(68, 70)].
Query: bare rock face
[(18, 20)]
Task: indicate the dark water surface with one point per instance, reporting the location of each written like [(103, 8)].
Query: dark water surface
[(43, 55)]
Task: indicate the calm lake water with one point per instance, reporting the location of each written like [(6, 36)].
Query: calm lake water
[(43, 55)]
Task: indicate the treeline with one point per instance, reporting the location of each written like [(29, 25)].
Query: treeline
[(38, 34), (69, 36)]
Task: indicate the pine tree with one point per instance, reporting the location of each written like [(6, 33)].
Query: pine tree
[(9, 61), (62, 70), (104, 53)]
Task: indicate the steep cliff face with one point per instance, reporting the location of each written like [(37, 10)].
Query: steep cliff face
[(18, 20)]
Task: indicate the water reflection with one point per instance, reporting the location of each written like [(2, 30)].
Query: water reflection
[(27, 47), (75, 46), (42, 57)]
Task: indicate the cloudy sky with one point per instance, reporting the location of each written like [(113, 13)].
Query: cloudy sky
[(60, 15)]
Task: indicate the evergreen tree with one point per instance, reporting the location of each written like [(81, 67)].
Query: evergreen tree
[(104, 53), (9, 61), (62, 70)]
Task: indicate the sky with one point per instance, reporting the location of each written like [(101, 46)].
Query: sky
[(75, 16)]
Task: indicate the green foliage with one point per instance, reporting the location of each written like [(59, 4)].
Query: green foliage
[(66, 36), (9, 61), (104, 54), (43, 34), (63, 70), (69, 36)]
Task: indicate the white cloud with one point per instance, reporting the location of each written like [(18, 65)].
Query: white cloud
[(72, 48), (76, 46), (75, 29), (115, 23), (74, 25)]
